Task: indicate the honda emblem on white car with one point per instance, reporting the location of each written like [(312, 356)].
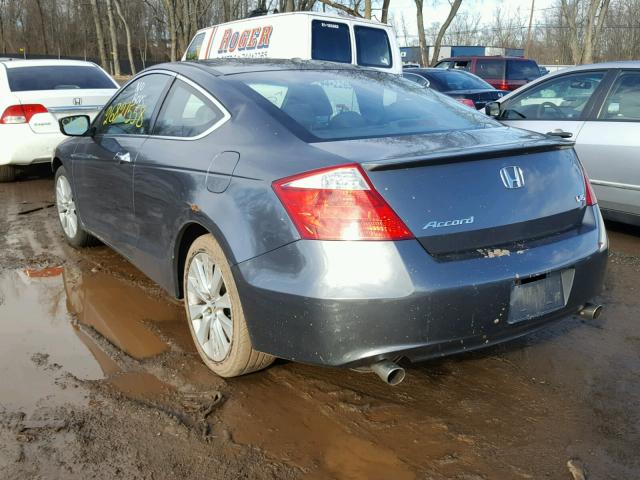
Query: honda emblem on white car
[(77, 101), (512, 177)]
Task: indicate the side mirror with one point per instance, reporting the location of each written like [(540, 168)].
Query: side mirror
[(492, 109), (426, 83), (75, 126)]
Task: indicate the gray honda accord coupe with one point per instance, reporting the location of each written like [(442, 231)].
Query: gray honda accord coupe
[(332, 215)]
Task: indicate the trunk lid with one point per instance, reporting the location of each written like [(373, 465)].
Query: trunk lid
[(470, 190), (63, 103)]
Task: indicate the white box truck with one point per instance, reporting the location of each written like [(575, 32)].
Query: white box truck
[(304, 35)]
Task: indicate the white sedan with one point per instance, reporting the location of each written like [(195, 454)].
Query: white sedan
[(597, 106), (34, 94)]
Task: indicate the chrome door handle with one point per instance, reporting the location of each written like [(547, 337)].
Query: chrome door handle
[(560, 133), (122, 157)]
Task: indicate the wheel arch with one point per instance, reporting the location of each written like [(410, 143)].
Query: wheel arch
[(190, 231), (56, 163)]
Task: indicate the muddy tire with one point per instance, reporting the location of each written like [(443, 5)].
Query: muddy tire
[(214, 312), (72, 229), (7, 173)]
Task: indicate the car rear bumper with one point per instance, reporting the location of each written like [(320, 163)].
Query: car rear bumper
[(21, 146), (352, 303)]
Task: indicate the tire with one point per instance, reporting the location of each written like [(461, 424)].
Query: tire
[(7, 173), (65, 206), (208, 318)]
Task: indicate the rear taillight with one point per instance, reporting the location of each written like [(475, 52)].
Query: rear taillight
[(589, 194), (21, 113), (467, 101), (339, 203), (503, 86)]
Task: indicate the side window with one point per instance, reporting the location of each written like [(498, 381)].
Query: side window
[(193, 51), (623, 103), (416, 79), (186, 113), (490, 68), (562, 98), (372, 47), (330, 41), (131, 110), (522, 70), (461, 65)]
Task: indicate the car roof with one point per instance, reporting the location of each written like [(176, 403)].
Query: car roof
[(16, 63), (437, 71), (232, 66), (329, 16), (595, 66), (490, 57)]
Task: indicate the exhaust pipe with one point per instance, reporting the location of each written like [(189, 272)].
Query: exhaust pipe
[(590, 311), (389, 372)]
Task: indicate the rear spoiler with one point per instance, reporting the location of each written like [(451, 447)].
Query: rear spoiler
[(469, 154)]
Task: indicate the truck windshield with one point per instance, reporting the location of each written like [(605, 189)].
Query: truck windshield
[(348, 104)]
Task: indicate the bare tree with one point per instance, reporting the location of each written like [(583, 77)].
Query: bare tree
[(384, 17), (583, 39), (453, 10), (127, 32), (424, 54), (99, 34), (114, 39)]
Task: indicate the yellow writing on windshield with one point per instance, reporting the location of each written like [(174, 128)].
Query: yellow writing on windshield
[(129, 113)]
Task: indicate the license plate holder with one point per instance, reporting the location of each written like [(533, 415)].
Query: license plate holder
[(539, 296)]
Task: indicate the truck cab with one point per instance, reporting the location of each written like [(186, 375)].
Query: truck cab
[(304, 35)]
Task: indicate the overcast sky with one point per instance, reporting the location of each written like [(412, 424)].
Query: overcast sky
[(483, 8)]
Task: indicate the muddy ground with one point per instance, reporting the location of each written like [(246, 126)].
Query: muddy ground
[(99, 379)]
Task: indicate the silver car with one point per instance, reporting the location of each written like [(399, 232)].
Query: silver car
[(597, 106)]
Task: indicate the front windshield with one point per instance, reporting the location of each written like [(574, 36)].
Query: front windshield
[(453, 80), (346, 104)]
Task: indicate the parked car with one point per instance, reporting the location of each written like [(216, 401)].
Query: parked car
[(465, 87), (33, 95), (597, 106), (330, 214), (301, 35), (503, 73)]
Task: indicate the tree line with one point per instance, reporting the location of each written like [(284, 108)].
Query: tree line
[(130, 34)]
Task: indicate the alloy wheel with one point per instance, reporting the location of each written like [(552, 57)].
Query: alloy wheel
[(66, 207), (209, 307)]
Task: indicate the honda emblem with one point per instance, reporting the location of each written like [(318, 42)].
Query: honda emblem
[(77, 101), (512, 177)]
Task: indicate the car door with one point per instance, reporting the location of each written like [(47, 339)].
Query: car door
[(609, 144), (103, 161), (177, 173), (559, 104)]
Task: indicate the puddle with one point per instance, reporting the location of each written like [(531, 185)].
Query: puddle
[(43, 340), (324, 432), (34, 322), (118, 310)]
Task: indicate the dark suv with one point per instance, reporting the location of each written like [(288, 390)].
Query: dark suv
[(503, 73)]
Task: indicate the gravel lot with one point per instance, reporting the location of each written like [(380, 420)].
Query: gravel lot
[(99, 379)]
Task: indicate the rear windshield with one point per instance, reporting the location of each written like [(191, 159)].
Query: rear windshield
[(330, 41), (451, 80), (336, 105), (372, 47), (67, 77), (522, 70)]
